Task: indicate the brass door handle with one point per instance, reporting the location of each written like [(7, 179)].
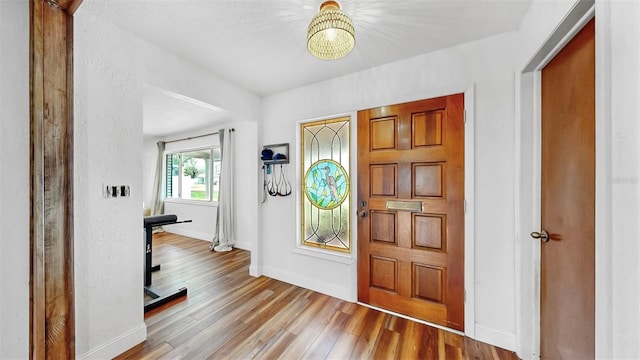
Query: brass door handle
[(543, 235), (362, 213)]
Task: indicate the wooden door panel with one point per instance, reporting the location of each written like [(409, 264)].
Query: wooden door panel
[(567, 288), (429, 232), (384, 273), (383, 226), (383, 134), (428, 179), (411, 239), (428, 282), (427, 128), (383, 179)]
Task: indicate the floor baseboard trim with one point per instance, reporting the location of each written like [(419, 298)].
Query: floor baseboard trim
[(307, 283), (205, 237), (189, 233), (497, 338), (118, 345), (254, 271)]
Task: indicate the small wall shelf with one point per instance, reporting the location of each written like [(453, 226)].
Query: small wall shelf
[(278, 149)]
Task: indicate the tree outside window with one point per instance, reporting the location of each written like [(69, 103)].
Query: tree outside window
[(193, 174)]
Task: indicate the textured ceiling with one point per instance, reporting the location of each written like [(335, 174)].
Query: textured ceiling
[(260, 45)]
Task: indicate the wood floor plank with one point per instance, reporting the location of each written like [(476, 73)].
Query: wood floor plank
[(343, 347), (158, 332), (220, 317), (387, 345), (276, 345), (371, 327), (428, 348), (409, 346), (261, 319), (228, 314), (307, 335), (355, 323), (327, 337), (317, 305)]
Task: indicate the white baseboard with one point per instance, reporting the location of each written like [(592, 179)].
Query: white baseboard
[(190, 233), (204, 236), (497, 338), (242, 245), (339, 292), (255, 271), (117, 346)]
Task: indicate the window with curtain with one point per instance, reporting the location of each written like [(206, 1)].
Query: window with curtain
[(193, 174)]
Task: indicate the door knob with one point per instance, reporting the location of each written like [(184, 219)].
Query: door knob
[(543, 235), (362, 213)]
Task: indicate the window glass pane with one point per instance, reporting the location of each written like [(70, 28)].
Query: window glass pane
[(325, 173), (196, 175), (193, 175), (173, 172), (216, 174)]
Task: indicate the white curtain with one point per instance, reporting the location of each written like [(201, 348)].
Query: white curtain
[(157, 203), (224, 237)]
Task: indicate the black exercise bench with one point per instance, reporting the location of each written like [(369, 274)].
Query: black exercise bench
[(159, 298)]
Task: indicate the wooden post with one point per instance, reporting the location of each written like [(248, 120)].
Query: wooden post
[(52, 321)]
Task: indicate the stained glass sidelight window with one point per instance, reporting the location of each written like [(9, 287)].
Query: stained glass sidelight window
[(325, 184)]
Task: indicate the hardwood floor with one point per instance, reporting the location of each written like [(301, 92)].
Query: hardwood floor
[(228, 314)]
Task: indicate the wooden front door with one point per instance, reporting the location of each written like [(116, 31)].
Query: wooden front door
[(411, 209), (567, 309)]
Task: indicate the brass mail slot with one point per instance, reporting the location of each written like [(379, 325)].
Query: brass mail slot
[(404, 205)]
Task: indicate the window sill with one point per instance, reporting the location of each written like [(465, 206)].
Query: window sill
[(192, 202), (343, 258)]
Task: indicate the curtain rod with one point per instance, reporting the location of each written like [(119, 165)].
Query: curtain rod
[(198, 136)]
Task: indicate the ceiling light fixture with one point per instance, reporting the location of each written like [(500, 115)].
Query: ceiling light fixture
[(331, 34)]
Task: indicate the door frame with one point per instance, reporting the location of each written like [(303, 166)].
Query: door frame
[(51, 262), (528, 181)]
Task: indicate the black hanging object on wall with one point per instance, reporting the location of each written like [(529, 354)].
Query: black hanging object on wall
[(284, 186)]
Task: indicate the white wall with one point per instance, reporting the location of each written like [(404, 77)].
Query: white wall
[(14, 179), (111, 67), (617, 179), (108, 232), (149, 158), (487, 64)]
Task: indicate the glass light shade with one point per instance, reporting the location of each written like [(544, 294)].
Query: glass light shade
[(331, 34)]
